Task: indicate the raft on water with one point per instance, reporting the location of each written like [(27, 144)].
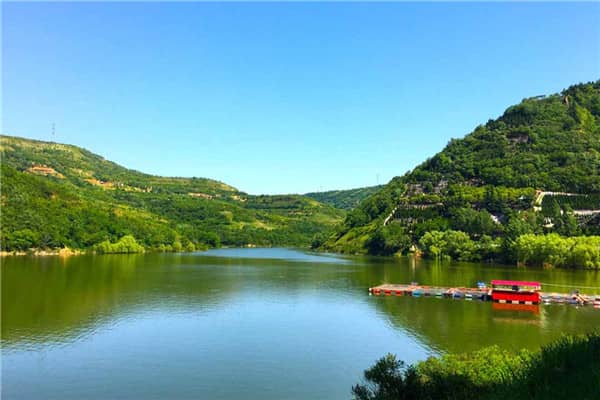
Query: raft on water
[(508, 292)]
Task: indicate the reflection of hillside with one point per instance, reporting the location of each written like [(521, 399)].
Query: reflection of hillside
[(55, 299), (460, 325), (447, 325), (52, 298)]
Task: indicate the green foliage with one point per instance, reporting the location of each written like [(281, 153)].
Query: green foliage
[(535, 144), (23, 239), (518, 224), (388, 240), (452, 244), (387, 380), (586, 119), (552, 249), (582, 202), (317, 241), (374, 207), (529, 248), (177, 246), (485, 183), (567, 368), (488, 248), (470, 220), (70, 207), (433, 244), (127, 244), (77, 165), (344, 199)]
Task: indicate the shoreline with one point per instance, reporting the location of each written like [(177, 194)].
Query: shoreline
[(63, 252), (68, 252)]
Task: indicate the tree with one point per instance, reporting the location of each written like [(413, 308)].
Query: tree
[(472, 221), (23, 239), (127, 244), (459, 245), (518, 224), (388, 240), (376, 243), (433, 244), (317, 240), (388, 379), (177, 246), (585, 118), (569, 225), (189, 247)]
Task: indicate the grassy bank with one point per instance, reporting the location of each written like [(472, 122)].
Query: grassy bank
[(568, 368)]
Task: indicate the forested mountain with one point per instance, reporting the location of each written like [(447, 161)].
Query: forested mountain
[(344, 199), (56, 195), (484, 187)]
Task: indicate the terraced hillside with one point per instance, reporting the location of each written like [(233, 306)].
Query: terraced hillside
[(484, 185), (345, 199), (56, 195)]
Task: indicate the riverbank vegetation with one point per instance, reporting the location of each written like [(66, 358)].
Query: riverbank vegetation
[(568, 368), (533, 171), (127, 244), (529, 249)]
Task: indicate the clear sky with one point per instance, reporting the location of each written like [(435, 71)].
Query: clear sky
[(282, 97)]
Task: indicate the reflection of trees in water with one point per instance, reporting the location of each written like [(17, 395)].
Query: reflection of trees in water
[(55, 299), (52, 298), (462, 325)]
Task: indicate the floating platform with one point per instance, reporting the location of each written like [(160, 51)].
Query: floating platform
[(483, 294)]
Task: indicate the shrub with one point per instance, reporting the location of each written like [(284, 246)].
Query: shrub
[(565, 369), (127, 244)]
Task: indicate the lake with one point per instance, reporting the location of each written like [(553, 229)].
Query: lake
[(247, 323)]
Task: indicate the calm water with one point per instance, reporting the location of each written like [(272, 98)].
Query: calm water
[(245, 323)]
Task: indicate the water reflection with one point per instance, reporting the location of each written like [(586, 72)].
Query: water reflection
[(50, 299), (272, 323)]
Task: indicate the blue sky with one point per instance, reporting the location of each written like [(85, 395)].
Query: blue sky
[(282, 97)]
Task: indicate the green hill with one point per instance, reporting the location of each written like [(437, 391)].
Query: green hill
[(344, 199), (485, 185), (56, 195)]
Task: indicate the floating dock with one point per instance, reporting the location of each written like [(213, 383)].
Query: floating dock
[(483, 294)]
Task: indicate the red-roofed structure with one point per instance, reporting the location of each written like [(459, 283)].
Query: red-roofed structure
[(516, 292), (516, 283)]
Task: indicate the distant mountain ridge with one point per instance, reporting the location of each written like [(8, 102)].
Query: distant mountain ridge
[(345, 199), (56, 195)]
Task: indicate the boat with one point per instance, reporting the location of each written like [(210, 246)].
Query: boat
[(479, 295), (574, 301), (516, 292)]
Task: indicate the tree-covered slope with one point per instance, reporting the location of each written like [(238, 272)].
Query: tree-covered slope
[(82, 168), (344, 199), (485, 184), (56, 195)]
